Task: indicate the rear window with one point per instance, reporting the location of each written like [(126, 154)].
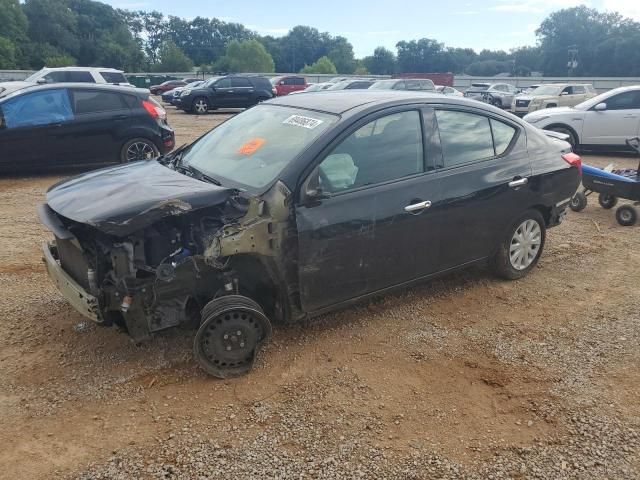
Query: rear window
[(92, 101), (113, 77)]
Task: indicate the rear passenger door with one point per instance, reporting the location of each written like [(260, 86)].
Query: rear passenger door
[(484, 172), (100, 118), (241, 93)]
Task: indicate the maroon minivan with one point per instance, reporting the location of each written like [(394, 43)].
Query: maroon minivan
[(288, 84)]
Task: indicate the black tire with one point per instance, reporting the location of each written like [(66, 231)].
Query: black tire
[(501, 262), (627, 215), (578, 202), (138, 148), (233, 330), (200, 106), (567, 131), (607, 201)]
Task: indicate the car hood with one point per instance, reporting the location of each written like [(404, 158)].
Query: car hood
[(553, 112), (121, 200)]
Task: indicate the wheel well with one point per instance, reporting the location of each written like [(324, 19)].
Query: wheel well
[(545, 212), (256, 283), (562, 125)]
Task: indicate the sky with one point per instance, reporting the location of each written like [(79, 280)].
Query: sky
[(492, 24)]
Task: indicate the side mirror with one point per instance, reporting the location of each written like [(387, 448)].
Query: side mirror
[(281, 82), (41, 81), (564, 93), (311, 190), (601, 107)]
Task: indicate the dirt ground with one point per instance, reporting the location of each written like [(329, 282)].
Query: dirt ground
[(464, 377)]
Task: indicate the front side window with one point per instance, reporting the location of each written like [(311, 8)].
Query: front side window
[(385, 149), (56, 77), (427, 85), (223, 83), (624, 101), (240, 82), (252, 148), (464, 137), (92, 101), (38, 108)]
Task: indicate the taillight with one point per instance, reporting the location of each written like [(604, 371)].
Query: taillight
[(573, 159), (155, 111)]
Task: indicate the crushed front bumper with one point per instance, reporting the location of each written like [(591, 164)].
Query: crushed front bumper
[(83, 302)]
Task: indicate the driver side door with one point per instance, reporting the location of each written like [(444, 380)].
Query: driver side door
[(373, 227)]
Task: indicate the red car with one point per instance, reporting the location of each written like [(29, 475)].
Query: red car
[(288, 84), (166, 86)]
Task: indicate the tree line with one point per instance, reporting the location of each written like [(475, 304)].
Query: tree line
[(89, 33)]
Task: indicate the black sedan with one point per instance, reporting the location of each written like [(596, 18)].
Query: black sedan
[(301, 205), (80, 124)]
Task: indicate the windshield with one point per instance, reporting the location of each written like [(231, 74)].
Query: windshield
[(478, 87), (383, 85), (252, 148), (547, 90), (210, 82)]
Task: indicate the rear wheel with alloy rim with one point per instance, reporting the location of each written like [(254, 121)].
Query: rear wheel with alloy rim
[(200, 106), (520, 249), (138, 149)]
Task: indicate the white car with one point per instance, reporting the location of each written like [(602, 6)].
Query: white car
[(314, 87), (603, 121), (79, 75), (446, 90)]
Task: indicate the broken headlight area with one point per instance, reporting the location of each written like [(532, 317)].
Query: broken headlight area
[(153, 279)]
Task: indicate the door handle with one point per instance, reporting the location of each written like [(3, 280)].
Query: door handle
[(229, 91), (120, 117), (518, 182), (417, 207)]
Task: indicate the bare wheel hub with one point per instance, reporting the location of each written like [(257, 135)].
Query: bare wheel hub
[(230, 336)]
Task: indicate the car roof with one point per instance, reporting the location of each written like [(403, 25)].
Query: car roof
[(105, 69), (340, 101), (36, 87)]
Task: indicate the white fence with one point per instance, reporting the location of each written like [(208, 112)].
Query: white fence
[(461, 82)]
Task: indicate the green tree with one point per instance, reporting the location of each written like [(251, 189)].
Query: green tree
[(60, 61), (172, 59), (7, 53), (322, 65), (488, 68), (301, 46), (424, 55), (247, 56), (382, 62), (583, 27), (341, 54)]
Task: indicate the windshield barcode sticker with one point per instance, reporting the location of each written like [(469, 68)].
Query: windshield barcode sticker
[(304, 122)]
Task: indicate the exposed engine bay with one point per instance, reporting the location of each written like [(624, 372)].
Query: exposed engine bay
[(159, 266)]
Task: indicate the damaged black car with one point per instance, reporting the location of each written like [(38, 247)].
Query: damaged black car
[(301, 205)]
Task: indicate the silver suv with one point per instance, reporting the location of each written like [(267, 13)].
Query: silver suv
[(552, 95), (497, 94)]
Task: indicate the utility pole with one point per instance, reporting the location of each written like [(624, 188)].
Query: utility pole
[(572, 64)]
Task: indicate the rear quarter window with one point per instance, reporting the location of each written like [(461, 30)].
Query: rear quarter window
[(503, 135), (113, 77)]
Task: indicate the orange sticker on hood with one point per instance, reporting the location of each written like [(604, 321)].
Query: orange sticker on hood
[(251, 147)]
